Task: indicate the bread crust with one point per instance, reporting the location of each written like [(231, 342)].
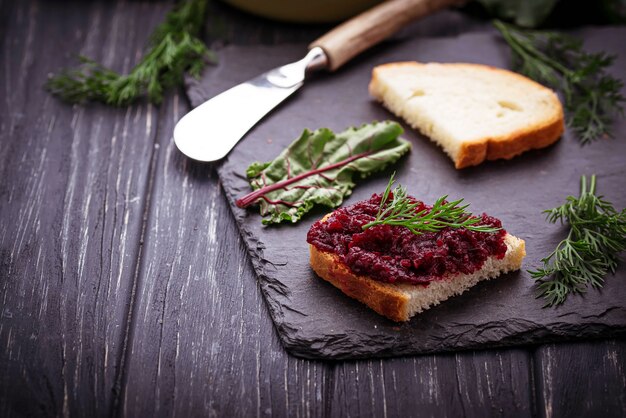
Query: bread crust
[(379, 296), (533, 136), (392, 300)]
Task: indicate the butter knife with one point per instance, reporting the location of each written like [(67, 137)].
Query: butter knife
[(211, 130)]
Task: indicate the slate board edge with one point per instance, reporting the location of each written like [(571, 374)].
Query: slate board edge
[(341, 346), (302, 347)]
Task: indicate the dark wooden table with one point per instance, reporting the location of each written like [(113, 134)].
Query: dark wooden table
[(124, 285)]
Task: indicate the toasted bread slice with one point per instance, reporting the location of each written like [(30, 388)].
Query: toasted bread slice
[(474, 112), (399, 302)]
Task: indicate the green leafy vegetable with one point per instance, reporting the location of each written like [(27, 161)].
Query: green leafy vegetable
[(402, 211), (318, 168), (525, 13), (173, 49), (597, 235), (592, 97)]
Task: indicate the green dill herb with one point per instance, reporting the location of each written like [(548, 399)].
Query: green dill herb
[(597, 235), (592, 96), (174, 48), (401, 210)]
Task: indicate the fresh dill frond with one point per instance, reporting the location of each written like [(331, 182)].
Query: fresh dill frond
[(592, 96), (174, 48), (597, 235), (402, 210)]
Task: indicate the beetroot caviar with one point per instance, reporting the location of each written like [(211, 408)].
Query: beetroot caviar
[(394, 254)]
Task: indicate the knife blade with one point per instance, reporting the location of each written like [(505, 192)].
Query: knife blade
[(211, 130), (240, 108)]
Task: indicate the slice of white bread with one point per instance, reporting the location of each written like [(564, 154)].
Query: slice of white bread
[(474, 112), (399, 302)]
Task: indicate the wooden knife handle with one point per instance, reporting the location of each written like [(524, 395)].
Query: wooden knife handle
[(372, 26)]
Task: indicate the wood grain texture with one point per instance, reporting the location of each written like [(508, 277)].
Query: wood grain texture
[(202, 342), (373, 26), (73, 180), (585, 380), (492, 383), (100, 217)]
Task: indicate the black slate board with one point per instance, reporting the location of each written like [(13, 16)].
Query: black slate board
[(314, 319)]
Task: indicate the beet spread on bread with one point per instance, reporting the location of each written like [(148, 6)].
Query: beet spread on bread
[(399, 273)]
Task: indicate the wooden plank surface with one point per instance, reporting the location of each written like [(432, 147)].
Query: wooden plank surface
[(202, 342), (587, 379), (488, 383), (125, 288), (72, 202)]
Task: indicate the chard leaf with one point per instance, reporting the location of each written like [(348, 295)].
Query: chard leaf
[(318, 168)]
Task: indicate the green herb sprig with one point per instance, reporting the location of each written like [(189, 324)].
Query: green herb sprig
[(597, 235), (592, 97), (174, 49), (402, 211)]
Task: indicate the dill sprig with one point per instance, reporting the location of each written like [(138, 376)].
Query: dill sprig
[(597, 235), (173, 49), (401, 210), (592, 97)]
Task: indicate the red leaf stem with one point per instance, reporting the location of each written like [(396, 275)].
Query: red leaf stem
[(252, 197)]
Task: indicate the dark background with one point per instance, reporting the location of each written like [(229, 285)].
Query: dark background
[(125, 288)]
